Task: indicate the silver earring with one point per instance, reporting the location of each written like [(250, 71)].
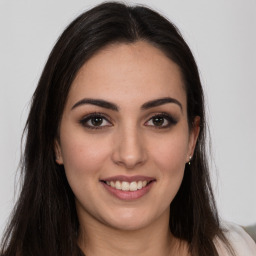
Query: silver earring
[(189, 163), (57, 158)]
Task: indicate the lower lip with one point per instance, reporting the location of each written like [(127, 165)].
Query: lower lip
[(128, 195)]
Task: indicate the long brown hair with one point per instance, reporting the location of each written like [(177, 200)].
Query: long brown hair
[(44, 221)]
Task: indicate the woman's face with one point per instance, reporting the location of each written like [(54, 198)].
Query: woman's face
[(124, 136)]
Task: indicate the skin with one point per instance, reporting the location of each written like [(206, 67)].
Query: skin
[(128, 143)]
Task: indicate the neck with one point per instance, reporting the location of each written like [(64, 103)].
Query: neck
[(98, 239)]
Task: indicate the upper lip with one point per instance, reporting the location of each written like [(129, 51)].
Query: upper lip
[(129, 178)]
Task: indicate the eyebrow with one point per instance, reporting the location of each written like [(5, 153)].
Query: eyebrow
[(112, 106), (159, 102), (97, 102)]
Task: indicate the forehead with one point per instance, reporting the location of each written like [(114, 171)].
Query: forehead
[(123, 72)]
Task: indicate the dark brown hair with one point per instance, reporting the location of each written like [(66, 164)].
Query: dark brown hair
[(44, 221)]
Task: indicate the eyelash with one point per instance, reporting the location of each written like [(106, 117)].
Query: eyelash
[(167, 117), (86, 119), (170, 120)]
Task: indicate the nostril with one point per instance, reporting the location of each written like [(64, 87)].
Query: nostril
[(129, 150), (129, 160)]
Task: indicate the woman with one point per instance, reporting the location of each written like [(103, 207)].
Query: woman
[(115, 160)]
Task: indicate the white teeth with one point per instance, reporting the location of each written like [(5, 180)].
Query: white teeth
[(118, 185), (127, 186), (133, 186)]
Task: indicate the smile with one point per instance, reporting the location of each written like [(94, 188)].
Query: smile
[(127, 186)]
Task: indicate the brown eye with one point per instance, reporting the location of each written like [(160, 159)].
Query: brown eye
[(95, 121), (158, 121), (161, 121)]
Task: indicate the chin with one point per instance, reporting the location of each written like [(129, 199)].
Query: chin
[(129, 225), (131, 220)]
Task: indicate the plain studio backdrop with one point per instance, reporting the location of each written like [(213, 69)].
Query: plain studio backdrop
[(222, 36)]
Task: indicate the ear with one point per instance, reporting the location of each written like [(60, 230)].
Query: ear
[(193, 137), (58, 155)]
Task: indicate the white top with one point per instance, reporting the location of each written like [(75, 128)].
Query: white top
[(242, 243)]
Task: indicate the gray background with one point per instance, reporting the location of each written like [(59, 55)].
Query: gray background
[(222, 36)]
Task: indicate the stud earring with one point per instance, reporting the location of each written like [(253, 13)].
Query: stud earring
[(189, 163), (57, 158)]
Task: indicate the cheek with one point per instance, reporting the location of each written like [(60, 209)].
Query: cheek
[(83, 159), (170, 159), (83, 155), (170, 153)]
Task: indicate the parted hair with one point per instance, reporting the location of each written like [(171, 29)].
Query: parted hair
[(44, 220)]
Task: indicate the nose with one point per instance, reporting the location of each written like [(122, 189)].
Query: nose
[(129, 148)]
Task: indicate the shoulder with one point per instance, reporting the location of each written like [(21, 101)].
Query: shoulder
[(241, 242)]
